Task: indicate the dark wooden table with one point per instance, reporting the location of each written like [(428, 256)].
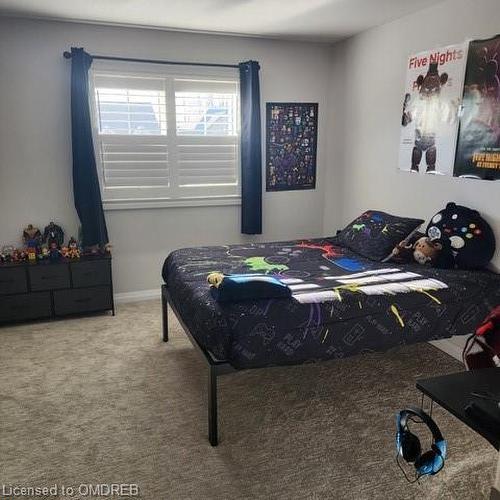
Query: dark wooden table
[(453, 393)]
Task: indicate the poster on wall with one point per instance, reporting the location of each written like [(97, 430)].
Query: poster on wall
[(291, 143), (431, 104), (478, 146)]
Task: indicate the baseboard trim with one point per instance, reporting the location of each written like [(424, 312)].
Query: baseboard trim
[(139, 296), (449, 347)]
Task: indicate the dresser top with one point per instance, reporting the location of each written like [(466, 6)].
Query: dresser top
[(48, 262)]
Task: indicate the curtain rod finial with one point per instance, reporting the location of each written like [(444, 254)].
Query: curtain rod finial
[(67, 55)]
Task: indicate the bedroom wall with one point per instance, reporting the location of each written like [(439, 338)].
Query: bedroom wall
[(367, 84), (35, 148)]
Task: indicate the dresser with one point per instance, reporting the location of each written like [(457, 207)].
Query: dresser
[(44, 290)]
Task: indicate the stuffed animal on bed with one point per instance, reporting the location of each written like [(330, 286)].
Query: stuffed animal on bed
[(426, 251), (423, 251)]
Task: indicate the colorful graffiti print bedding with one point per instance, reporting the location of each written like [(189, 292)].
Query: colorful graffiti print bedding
[(342, 304)]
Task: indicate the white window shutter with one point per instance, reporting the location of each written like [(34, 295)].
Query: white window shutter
[(166, 137)]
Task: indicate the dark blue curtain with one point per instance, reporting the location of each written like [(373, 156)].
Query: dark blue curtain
[(251, 152), (86, 189)]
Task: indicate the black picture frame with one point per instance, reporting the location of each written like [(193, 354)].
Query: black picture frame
[(291, 145)]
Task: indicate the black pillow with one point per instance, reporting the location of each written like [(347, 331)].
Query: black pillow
[(374, 234), (471, 238)]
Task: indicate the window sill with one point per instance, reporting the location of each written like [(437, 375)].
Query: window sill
[(170, 203)]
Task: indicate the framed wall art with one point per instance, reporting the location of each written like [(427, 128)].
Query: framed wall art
[(291, 145)]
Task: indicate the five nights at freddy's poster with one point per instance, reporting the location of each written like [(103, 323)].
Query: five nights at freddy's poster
[(291, 133), (478, 147), (431, 105)]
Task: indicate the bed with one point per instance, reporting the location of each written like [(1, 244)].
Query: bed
[(342, 304)]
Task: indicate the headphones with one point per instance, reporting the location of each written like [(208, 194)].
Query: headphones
[(408, 445)]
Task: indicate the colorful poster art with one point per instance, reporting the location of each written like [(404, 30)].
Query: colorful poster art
[(478, 146), (291, 142), (431, 104)]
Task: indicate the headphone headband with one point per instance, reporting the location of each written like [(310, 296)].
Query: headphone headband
[(426, 419), (408, 445)]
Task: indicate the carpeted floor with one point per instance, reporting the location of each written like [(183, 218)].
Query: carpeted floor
[(103, 400)]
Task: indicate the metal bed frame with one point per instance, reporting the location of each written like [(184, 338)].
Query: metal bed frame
[(215, 366)]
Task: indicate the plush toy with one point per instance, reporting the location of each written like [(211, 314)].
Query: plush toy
[(402, 253), (469, 236), (426, 251)]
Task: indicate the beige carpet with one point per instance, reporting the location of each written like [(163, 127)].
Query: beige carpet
[(103, 400)]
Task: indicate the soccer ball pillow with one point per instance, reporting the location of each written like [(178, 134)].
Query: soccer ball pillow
[(471, 238)]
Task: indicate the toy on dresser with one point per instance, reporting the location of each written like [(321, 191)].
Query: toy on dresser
[(53, 234), (73, 252), (49, 246), (54, 253), (32, 237)]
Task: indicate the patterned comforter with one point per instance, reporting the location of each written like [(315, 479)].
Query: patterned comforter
[(342, 304)]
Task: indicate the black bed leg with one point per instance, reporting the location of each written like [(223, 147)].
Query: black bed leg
[(212, 406), (164, 309)]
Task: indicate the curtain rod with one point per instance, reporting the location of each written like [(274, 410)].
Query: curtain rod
[(67, 55)]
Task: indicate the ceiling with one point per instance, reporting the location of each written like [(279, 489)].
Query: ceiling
[(319, 20)]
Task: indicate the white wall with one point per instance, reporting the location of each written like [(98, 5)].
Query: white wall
[(358, 83), (367, 89), (35, 147)]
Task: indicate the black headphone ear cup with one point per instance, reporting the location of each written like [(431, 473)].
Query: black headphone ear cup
[(428, 456), (410, 445)]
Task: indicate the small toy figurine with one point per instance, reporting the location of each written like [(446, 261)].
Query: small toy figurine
[(31, 252), (215, 279), (64, 252), (32, 236), (107, 248), (44, 253), (54, 252), (14, 256), (6, 254), (73, 250), (53, 233)]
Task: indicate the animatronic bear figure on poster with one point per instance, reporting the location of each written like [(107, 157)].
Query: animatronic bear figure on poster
[(430, 110)]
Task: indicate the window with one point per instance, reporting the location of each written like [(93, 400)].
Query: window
[(165, 138)]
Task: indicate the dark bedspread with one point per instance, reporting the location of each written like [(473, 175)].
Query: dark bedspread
[(343, 304)]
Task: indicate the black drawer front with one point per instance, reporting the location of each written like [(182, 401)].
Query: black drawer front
[(13, 280), (91, 273), (24, 307), (80, 300), (49, 277)]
